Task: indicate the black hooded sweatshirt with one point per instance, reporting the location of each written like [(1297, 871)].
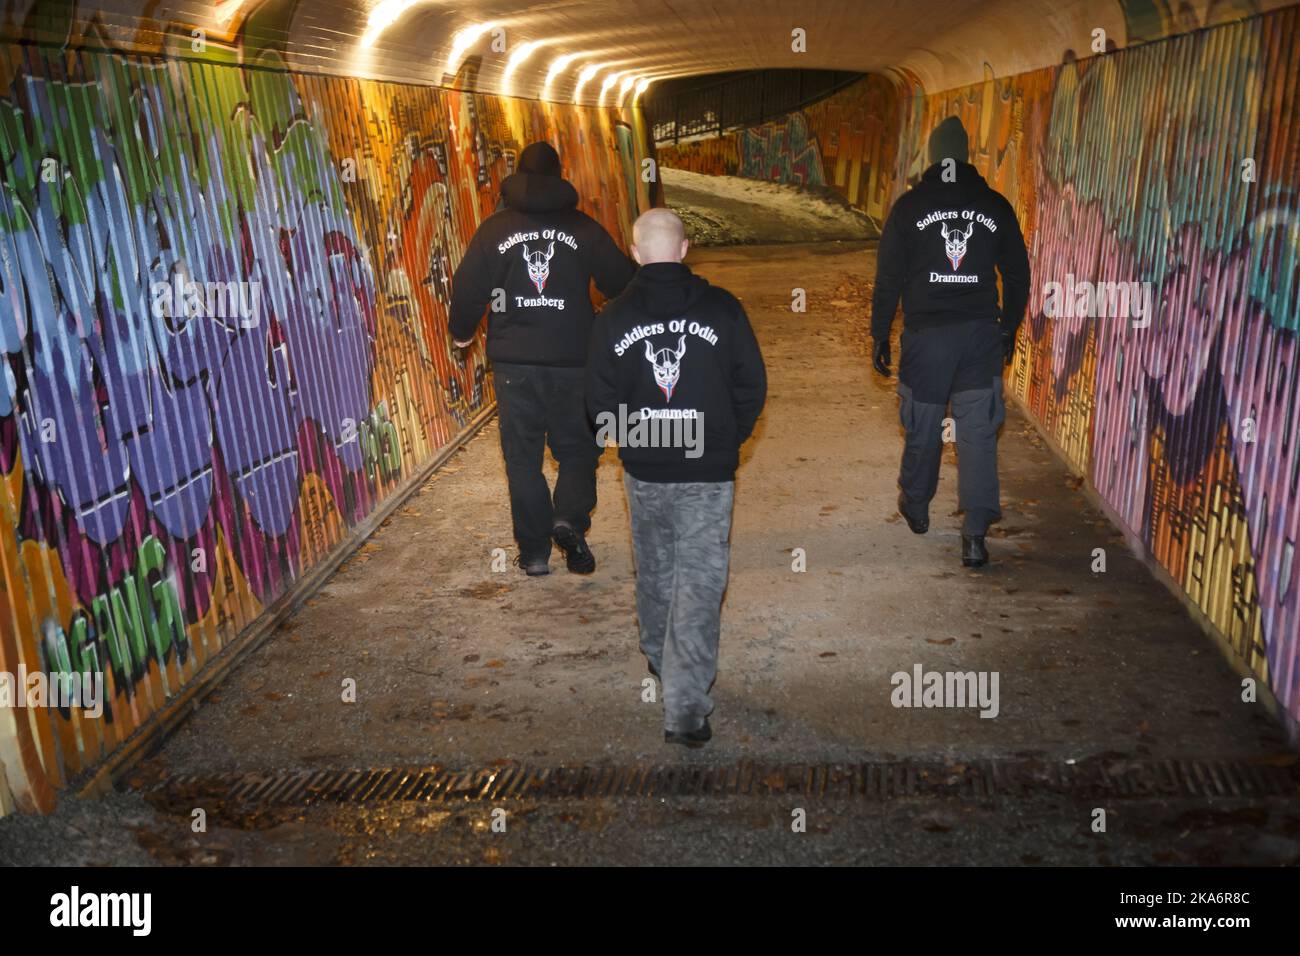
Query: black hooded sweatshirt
[(950, 278), (542, 253), (674, 346)]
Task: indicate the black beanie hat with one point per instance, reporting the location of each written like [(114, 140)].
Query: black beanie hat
[(540, 158), (948, 141)]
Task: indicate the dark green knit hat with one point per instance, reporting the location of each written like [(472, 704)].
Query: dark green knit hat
[(948, 141)]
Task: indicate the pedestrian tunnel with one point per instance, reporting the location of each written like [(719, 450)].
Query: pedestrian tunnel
[(228, 231)]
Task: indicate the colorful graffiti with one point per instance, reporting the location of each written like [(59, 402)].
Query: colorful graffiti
[(846, 141), (166, 474), (781, 152), (714, 156)]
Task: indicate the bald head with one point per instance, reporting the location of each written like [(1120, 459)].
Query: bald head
[(658, 236)]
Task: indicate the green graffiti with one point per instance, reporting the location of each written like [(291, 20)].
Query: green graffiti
[(380, 446), (138, 619)]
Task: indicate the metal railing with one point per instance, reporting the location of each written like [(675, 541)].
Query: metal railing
[(737, 100)]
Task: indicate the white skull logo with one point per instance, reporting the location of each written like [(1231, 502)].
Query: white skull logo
[(539, 265), (954, 243), (667, 365)]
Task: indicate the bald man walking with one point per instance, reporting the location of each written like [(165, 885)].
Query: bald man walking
[(676, 379)]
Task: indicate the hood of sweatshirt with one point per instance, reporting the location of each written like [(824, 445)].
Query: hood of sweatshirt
[(537, 192), (666, 290), (966, 174)]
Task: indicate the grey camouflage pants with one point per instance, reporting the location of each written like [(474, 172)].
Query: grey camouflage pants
[(680, 537)]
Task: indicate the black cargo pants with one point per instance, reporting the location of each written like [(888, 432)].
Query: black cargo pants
[(541, 405), (959, 363)]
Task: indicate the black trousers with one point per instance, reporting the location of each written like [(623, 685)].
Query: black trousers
[(541, 405), (962, 364)]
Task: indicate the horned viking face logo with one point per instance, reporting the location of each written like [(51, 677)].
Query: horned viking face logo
[(667, 365), (539, 265), (954, 243)]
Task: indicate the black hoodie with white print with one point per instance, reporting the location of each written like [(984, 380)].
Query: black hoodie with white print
[(542, 253), (676, 352), (939, 250)]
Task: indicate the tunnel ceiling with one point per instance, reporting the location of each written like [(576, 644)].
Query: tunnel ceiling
[(614, 43)]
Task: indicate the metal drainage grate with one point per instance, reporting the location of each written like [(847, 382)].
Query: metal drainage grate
[(869, 781)]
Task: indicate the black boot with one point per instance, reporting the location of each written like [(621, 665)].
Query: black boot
[(973, 552), (577, 556), (690, 738), (533, 567), (918, 525)]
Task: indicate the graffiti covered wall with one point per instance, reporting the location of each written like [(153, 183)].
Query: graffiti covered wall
[(223, 294), (847, 141)]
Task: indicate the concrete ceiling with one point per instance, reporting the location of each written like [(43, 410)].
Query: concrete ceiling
[(942, 43)]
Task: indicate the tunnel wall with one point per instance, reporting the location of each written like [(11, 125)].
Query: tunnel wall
[(847, 141), (165, 474)]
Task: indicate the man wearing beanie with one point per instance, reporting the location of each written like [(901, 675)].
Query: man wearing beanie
[(939, 250), (531, 264)]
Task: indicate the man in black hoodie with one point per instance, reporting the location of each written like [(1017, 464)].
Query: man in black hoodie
[(939, 248), (533, 262), (676, 379)]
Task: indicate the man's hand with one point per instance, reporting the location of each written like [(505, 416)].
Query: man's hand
[(880, 358), (459, 355), (1008, 346)]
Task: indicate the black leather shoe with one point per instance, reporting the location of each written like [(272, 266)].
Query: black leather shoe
[(918, 525), (973, 552), (533, 567), (694, 739), (577, 556)]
